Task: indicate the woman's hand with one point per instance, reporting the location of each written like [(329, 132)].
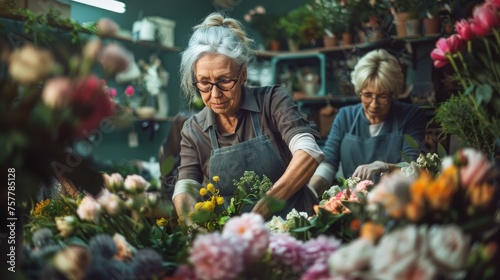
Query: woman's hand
[(367, 171), (262, 209)]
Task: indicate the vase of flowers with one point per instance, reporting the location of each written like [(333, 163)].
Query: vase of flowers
[(473, 57)]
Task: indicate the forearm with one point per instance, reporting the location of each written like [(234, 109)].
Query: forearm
[(297, 174), (184, 204)]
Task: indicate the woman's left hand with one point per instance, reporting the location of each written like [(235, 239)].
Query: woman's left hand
[(262, 209), (367, 171)]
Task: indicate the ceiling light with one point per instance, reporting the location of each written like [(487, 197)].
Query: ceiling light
[(110, 5)]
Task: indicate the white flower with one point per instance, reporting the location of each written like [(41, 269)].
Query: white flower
[(113, 182), (89, 209), (277, 225), (135, 183), (152, 199), (66, 225), (110, 202), (57, 92), (448, 246), (29, 65), (400, 252), (351, 258)]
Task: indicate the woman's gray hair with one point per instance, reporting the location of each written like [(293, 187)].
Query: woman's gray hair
[(382, 69), (217, 34)]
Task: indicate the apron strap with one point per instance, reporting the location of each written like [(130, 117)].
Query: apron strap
[(351, 130), (256, 129)]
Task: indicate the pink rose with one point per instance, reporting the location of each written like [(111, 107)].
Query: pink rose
[(110, 202), (57, 92), (476, 167), (112, 92), (464, 30), (114, 59), (286, 250), (129, 91), (89, 209)]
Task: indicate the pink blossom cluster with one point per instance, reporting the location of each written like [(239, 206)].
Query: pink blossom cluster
[(484, 21)]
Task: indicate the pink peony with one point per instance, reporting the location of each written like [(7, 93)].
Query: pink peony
[(319, 249), (250, 232), (476, 168), (286, 250), (464, 30), (57, 92), (91, 104), (89, 209), (363, 186), (446, 46), (318, 271), (215, 257)]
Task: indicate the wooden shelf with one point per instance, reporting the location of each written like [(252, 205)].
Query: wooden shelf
[(409, 39), (122, 38)]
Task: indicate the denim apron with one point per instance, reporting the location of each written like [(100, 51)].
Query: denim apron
[(258, 155), (355, 151)]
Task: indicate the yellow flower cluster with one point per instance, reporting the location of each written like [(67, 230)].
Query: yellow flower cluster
[(161, 222), (40, 206), (214, 197)]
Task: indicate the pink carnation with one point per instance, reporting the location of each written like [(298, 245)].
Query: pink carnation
[(286, 250), (250, 233), (319, 249), (476, 168), (215, 257)]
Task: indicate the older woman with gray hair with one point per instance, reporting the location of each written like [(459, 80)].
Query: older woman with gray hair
[(241, 128), (368, 138)]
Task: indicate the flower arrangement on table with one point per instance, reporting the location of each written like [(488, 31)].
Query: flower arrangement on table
[(473, 53), (265, 24), (126, 220)]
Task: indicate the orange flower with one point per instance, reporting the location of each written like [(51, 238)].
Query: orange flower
[(440, 192), (419, 187), (371, 231), (480, 195)]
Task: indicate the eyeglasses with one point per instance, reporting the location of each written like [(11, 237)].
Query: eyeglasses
[(367, 98), (222, 84)]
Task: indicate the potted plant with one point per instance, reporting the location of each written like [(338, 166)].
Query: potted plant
[(266, 25), (300, 26), (326, 13), (406, 16)]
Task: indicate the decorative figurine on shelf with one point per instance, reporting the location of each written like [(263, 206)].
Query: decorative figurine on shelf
[(154, 78)]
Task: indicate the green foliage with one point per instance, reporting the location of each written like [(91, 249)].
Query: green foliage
[(300, 25), (456, 116)]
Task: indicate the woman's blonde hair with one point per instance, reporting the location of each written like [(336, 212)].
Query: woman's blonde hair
[(217, 34), (381, 69)]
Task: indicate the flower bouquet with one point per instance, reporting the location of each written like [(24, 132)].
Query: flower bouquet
[(474, 56), (214, 212)]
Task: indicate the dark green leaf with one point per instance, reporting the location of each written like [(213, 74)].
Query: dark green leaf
[(441, 150), (167, 165), (469, 90), (411, 141), (484, 93)]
